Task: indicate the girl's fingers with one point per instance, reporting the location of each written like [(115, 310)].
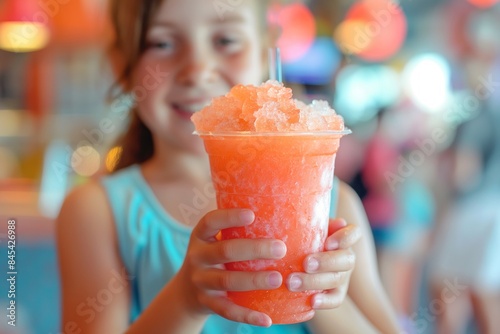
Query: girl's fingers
[(335, 224), (339, 260), (329, 300), (321, 281), (223, 280), (240, 250), (216, 220), (227, 309), (344, 238)]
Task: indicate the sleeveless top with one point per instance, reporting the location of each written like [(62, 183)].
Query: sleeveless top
[(152, 246)]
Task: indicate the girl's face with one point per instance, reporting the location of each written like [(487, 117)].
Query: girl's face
[(195, 51)]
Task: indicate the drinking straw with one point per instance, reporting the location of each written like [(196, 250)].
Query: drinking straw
[(275, 72)]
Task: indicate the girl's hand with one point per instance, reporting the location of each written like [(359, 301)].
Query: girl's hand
[(330, 270), (204, 278)]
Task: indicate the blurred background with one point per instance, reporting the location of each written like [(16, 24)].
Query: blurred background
[(416, 80)]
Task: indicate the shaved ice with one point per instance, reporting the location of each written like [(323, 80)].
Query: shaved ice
[(269, 107)]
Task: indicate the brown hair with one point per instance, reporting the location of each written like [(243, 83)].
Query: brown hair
[(131, 20)]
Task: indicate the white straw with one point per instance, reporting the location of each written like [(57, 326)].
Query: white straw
[(275, 72)]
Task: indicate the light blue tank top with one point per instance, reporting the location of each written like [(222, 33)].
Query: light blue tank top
[(153, 246)]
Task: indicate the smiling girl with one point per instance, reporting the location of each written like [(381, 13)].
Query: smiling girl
[(131, 221)]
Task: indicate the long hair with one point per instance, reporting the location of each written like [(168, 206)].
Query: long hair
[(130, 20)]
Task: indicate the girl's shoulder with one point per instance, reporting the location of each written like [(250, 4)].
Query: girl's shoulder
[(90, 194), (85, 206), (91, 204)]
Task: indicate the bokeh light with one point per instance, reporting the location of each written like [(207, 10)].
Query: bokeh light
[(297, 29), (85, 161), (317, 66), (426, 79), (112, 158), (483, 3), (14, 36), (481, 31), (23, 26), (11, 122), (55, 179), (363, 90), (345, 36), (373, 30)]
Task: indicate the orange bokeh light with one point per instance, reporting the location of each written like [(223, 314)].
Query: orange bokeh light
[(78, 22), (374, 30), (23, 27)]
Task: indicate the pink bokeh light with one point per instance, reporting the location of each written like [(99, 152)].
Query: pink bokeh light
[(297, 29)]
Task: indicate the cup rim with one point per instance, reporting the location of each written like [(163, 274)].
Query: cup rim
[(346, 131)]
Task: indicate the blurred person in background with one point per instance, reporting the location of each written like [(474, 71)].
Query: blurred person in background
[(381, 157), (405, 250), (399, 205), (464, 270)]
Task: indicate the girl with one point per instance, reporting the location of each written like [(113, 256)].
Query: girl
[(132, 260)]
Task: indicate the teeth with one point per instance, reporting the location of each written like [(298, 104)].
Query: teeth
[(192, 108)]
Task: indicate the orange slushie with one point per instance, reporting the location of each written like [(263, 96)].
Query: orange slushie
[(285, 177)]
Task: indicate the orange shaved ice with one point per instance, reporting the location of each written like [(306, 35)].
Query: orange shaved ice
[(269, 107)]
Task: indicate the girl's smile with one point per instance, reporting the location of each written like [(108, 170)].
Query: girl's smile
[(185, 109)]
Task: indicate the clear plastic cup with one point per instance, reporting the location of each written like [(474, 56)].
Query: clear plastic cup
[(286, 179)]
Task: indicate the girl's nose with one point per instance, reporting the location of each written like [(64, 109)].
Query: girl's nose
[(197, 68)]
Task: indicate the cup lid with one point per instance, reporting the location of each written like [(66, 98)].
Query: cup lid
[(346, 131)]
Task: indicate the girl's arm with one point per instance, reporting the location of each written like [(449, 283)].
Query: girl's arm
[(95, 285), (345, 319), (365, 288), (366, 309)]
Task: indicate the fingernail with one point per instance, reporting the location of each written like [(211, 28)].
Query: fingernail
[(332, 245), (294, 282), (256, 319), (247, 216), (343, 223), (274, 280), (312, 264), (317, 301), (278, 250)]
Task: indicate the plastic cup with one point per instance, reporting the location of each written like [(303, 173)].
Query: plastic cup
[(286, 179)]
